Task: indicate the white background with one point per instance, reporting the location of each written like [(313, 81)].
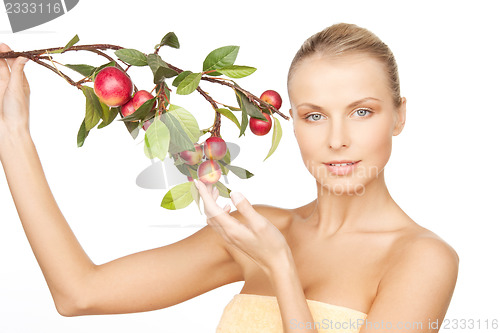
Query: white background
[(443, 171)]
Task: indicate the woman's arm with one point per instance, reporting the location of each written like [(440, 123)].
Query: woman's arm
[(291, 299), (251, 233), (143, 281)]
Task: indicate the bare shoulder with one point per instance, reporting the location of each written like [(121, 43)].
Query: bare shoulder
[(421, 249), (426, 244), (423, 272)]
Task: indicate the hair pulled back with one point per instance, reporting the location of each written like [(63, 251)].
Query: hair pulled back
[(344, 39)]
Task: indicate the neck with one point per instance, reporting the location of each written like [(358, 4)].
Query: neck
[(335, 212)]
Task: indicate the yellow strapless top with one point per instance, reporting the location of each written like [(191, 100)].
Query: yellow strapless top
[(249, 313)]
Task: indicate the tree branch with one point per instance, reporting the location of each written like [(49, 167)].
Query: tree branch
[(37, 55)]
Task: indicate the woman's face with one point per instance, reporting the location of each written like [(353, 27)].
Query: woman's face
[(343, 110)]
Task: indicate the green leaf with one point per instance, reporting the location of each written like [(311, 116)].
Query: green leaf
[(189, 84), (72, 42), (85, 70), (244, 115), (133, 127), (178, 197), (155, 62), (158, 139), (193, 170), (276, 137), (237, 72), (93, 108), (223, 190), (163, 73), (238, 171), (147, 149), (82, 134), (221, 57), (196, 196), (132, 57), (187, 121), (171, 40), (159, 68), (228, 114), (227, 158), (180, 78), (179, 139), (232, 108), (223, 169), (108, 115), (141, 112), (183, 168), (251, 109)]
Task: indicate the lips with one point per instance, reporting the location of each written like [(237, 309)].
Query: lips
[(342, 168), (342, 162)]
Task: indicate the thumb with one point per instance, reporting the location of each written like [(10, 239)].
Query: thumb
[(17, 70)]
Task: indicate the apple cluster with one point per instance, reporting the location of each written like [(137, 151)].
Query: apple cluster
[(261, 127), (114, 88), (212, 150)]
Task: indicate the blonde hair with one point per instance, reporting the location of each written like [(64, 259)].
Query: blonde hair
[(343, 38)]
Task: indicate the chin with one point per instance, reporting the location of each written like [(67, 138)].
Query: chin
[(341, 187)]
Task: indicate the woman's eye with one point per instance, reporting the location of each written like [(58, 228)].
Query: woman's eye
[(363, 112), (314, 117)]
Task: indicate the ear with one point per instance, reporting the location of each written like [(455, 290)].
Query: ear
[(401, 118), (291, 115)]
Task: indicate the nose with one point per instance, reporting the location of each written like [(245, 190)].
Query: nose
[(338, 135)]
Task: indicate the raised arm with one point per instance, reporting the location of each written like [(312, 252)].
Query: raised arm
[(144, 281)]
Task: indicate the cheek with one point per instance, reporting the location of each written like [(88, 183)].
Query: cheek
[(308, 139), (378, 142)]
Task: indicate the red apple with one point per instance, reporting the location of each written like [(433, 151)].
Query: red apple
[(140, 97), (127, 108), (193, 157), (272, 97), (215, 148), (113, 86), (259, 126), (209, 172)]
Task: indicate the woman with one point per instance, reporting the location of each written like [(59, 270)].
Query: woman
[(350, 261)]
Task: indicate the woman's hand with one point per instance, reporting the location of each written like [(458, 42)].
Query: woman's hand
[(258, 238), (14, 95)]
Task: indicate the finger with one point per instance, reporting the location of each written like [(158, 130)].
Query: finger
[(245, 208), (6, 48), (4, 69), (215, 193), (17, 78), (210, 206)]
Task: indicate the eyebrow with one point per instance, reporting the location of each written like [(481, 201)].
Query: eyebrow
[(353, 104)]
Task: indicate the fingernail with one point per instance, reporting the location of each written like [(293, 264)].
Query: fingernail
[(227, 206), (24, 60), (237, 197)]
